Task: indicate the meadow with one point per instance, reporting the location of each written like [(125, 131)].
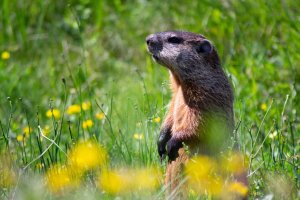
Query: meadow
[(81, 100)]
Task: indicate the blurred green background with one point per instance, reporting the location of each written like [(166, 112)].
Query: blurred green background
[(67, 52)]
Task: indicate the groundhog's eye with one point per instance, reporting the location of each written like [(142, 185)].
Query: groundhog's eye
[(204, 47), (175, 40)]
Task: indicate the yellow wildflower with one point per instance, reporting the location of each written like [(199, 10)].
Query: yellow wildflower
[(27, 130), (273, 135), (100, 115), (239, 188), (87, 124), (59, 178), (263, 106), (157, 119), (20, 138), (54, 112), (86, 105), (5, 55), (87, 155), (138, 136), (73, 109)]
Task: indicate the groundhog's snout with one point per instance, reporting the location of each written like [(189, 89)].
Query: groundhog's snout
[(154, 44)]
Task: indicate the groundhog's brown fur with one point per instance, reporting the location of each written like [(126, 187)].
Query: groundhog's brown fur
[(200, 91)]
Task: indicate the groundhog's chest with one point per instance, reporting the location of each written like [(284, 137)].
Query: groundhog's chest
[(184, 118)]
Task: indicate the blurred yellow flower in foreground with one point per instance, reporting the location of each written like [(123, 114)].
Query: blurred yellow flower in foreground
[(239, 188), (73, 109), (87, 124), (138, 136), (114, 182), (5, 55), (157, 119), (133, 180), (100, 115), (200, 167), (59, 178), (207, 175), (54, 112), (202, 177), (263, 106), (86, 105), (87, 155)]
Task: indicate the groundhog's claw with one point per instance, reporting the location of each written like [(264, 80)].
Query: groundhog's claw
[(173, 146), (164, 137)]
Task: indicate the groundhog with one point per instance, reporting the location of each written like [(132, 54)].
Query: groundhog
[(201, 93)]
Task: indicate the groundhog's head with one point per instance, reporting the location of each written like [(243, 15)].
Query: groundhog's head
[(184, 53)]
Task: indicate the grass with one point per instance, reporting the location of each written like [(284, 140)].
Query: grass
[(64, 53)]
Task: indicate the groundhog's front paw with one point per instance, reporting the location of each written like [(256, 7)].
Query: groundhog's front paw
[(164, 137), (173, 146)]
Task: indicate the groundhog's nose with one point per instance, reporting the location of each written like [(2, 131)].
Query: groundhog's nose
[(154, 44), (150, 39)]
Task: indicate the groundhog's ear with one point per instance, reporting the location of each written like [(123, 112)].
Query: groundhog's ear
[(204, 46)]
